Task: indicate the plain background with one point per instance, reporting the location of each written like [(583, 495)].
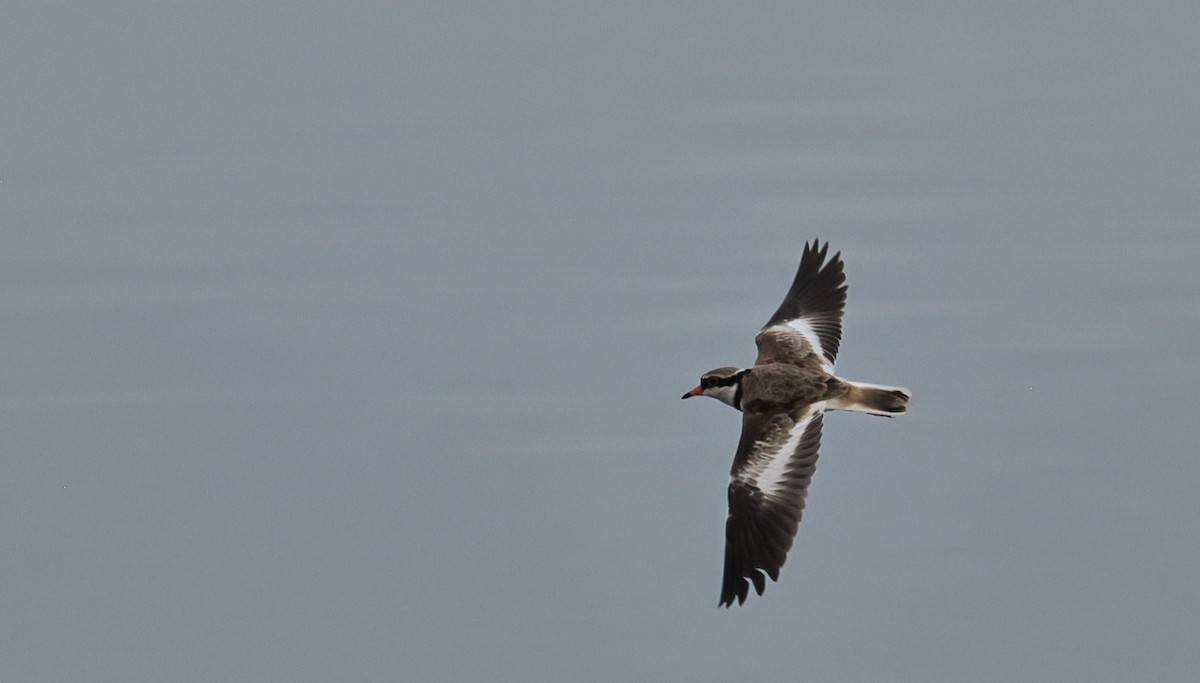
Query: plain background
[(344, 341)]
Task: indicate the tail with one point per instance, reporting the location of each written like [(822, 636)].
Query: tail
[(874, 399)]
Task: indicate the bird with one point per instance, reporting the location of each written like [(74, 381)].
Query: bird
[(783, 398)]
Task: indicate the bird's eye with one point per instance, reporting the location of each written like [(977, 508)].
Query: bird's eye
[(709, 381)]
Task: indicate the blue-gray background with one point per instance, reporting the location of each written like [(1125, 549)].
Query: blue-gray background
[(344, 341)]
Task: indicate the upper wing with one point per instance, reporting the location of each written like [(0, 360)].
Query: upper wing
[(811, 313), (774, 464)]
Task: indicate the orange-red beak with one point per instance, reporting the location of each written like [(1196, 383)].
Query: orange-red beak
[(694, 392)]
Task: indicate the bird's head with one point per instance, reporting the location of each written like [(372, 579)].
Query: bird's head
[(723, 384)]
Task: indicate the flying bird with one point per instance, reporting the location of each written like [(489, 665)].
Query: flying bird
[(783, 399)]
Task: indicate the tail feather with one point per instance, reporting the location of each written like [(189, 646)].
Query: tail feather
[(873, 399)]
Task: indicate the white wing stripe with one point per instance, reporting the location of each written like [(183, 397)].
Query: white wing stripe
[(805, 329), (767, 473)]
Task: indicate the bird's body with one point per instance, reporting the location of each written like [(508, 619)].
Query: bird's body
[(783, 398)]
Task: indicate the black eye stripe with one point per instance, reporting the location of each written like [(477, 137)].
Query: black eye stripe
[(722, 381)]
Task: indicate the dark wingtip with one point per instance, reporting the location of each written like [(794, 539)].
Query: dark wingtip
[(818, 288), (735, 591)]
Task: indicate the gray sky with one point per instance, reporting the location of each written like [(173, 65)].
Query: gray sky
[(345, 342)]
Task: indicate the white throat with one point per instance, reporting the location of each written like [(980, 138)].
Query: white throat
[(729, 394)]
